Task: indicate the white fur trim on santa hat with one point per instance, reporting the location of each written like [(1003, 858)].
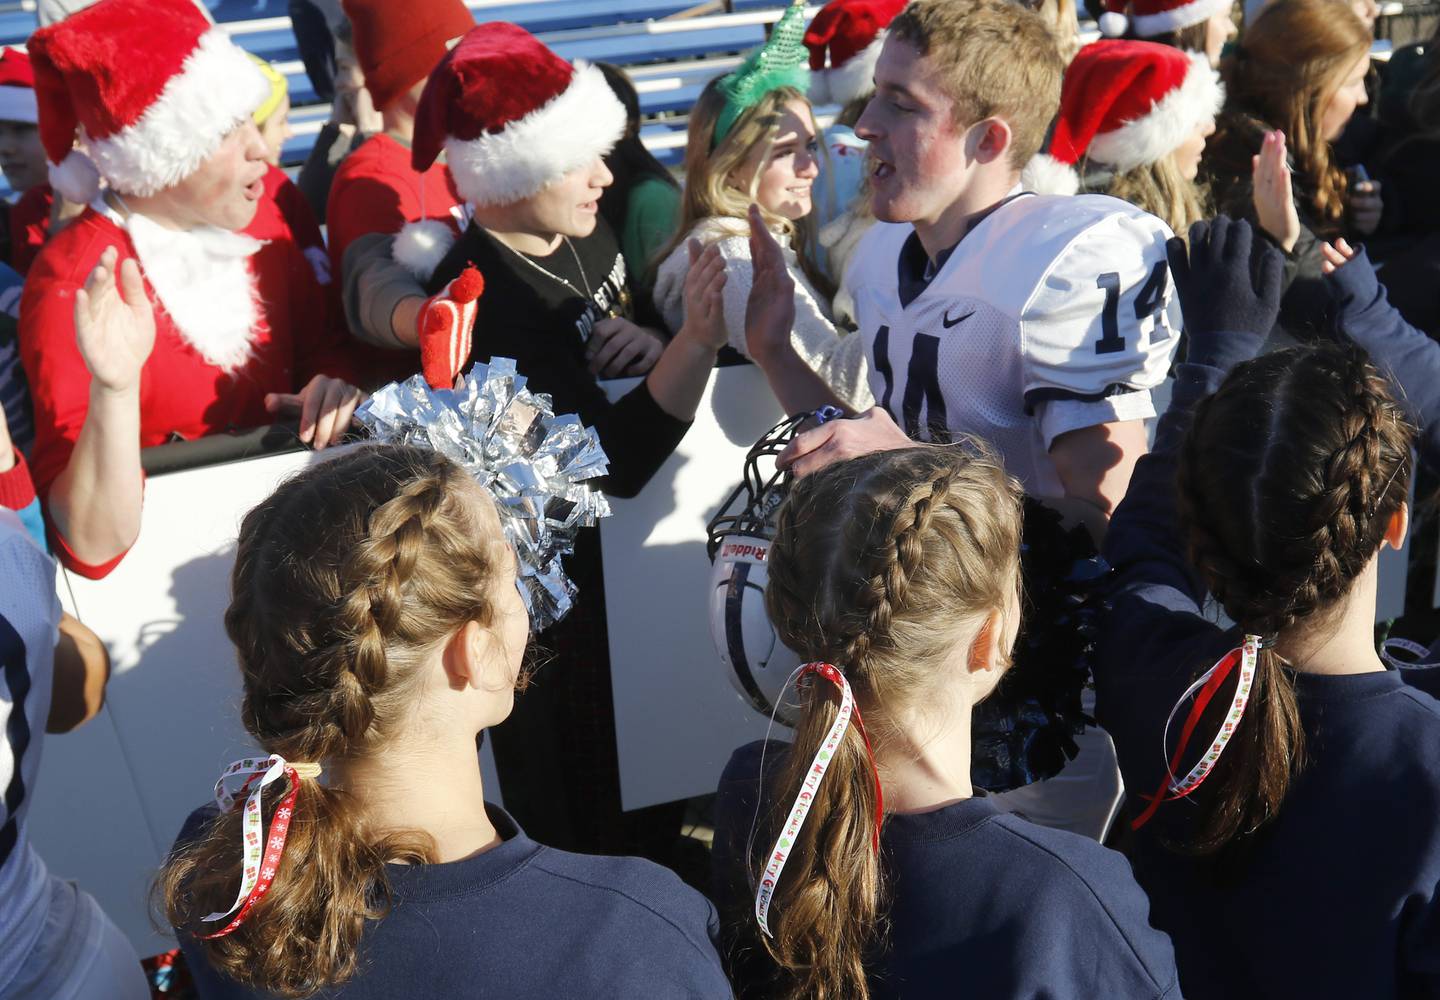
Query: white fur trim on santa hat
[(1168, 122), (850, 80), (421, 246), (1046, 175), (75, 178), (528, 155), (216, 89), (1150, 25)]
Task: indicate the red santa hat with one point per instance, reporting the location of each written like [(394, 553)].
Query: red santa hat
[(512, 118), (149, 87), (1125, 104), (1149, 18), (17, 88), (844, 40)]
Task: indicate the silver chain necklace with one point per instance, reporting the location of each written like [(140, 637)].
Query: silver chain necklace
[(589, 294)]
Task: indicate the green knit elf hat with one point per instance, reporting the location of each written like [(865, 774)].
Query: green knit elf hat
[(783, 61)]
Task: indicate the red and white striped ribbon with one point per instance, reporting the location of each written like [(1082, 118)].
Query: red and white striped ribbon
[(261, 855)]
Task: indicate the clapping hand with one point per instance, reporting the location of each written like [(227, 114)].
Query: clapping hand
[(1229, 287), (1274, 198), (619, 347), (704, 296), (770, 311), (114, 323)]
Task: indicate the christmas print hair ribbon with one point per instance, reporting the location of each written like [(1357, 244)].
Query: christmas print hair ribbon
[(780, 853), (261, 855), (783, 61), (1203, 691)]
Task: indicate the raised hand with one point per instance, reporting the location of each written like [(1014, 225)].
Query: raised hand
[(1229, 286), (770, 312), (1274, 198), (704, 296), (114, 323)]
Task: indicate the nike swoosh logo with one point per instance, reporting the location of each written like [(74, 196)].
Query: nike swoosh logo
[(947, 322)]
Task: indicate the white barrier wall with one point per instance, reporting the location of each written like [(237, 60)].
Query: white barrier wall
[(677, 718), (113, 795)]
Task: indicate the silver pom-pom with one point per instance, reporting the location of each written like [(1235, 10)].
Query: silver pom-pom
[(534, 464)]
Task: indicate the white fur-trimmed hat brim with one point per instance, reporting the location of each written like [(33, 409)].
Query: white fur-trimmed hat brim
[(217, 88), (584, 121), (1150, 25), (849, 81), (1166, 125)]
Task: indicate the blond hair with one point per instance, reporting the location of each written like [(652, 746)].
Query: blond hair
[(1160, 189), (999, 60), (883, 565), (331, 627), (709, 189)]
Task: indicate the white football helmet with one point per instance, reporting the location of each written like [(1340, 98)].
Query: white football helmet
[(757, 663)]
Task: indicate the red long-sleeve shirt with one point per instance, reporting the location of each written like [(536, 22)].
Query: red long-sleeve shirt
[(182, 395)]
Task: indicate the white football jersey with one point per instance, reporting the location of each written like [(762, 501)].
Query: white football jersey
[(1053, 314)]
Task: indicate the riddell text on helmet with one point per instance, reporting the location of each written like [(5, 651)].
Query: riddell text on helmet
[(747, 551)]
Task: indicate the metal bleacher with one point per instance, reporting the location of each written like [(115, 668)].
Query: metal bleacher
[(670, 48)]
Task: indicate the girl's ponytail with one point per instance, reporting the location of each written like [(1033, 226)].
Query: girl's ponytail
[(1287, 482), (305, 932), (344, 581), (824, 912), (883, 566)]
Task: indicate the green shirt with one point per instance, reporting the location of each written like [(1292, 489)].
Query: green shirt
[(651, 216)]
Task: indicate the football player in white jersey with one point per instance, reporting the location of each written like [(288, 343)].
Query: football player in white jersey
[(1039, 323)]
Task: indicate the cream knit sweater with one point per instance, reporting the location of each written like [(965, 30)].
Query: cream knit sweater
[(836, 356)]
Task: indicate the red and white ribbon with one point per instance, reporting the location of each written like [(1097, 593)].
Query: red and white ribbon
[(1203, 691), (261, 851), (780, 853)]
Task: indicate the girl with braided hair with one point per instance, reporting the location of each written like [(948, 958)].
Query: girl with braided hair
[(373, 651), (1291, 846), (898, 572)]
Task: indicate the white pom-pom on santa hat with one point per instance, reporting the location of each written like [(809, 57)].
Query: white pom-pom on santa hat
[(1046, 175), (1113, 24), (75, 178), (421, 246)]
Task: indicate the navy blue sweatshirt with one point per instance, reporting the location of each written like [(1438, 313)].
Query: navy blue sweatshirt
[(1337, 895), (983, 903), (522, 921)]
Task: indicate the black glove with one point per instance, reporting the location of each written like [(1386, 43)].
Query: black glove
[(1229, 286)]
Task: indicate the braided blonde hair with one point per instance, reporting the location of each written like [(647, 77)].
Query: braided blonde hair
[(1287, 482), (883, 565), (346, 579)]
